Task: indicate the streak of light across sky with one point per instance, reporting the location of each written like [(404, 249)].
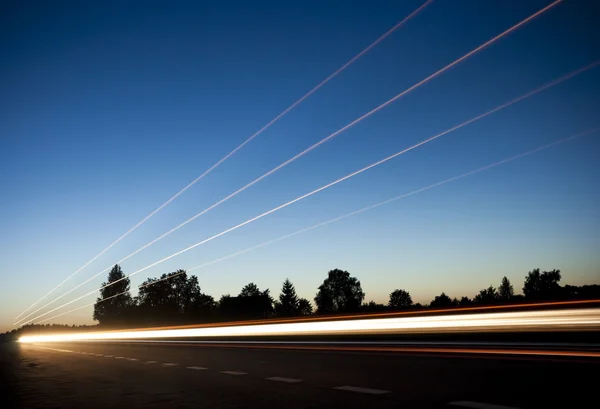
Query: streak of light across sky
[(388, 102), (374, 206), (582, 318), (500, 107), (257, 133), (414, 192)]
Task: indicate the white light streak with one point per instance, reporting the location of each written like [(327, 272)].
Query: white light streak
[(354, 213), (364, 209), (535, 320), (472, 52), (257, 133)]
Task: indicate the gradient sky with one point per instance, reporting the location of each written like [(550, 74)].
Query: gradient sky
[(108, 109)]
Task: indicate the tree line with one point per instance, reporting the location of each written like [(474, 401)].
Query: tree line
[(177, 298)]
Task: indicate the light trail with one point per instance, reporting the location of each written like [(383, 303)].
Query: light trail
[(414, 192), (547, 345), (572, 319), (364, 209), (257, 133), (82, 307), (354, 316), (349, 176), (429, 348), (388, 102), (327, 186), (481, 350), (354, 213)]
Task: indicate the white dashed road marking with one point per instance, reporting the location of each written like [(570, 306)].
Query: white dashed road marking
[(287, 380), (151, 362), (119, 357), (131, 359), (361, 390), (197, 368), (479, 405), (169, 364), (234, 373), (108, 356)]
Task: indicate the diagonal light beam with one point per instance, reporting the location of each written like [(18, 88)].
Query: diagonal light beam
[(471, 53), (347, 215), (257, 133), (301, 197)]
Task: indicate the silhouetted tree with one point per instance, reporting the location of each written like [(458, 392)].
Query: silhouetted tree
[(465, 301), (250, 290), (249, 307), (304, 307), (267, 295), (339, 293), (172, 297), (584, 291), (532, 286), (165, 295), (250, 304), (177, 297), (505, 291), (199, 305), (486, 296), (203, 308), (205, 302), (114, 303), (288, 305), (542, 285), (372, 306), (400, 299), (223, 300), (442, 301)]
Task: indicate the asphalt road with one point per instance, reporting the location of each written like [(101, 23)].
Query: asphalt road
[(116, 375)]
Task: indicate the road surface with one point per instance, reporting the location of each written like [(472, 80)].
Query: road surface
[(154, 375)]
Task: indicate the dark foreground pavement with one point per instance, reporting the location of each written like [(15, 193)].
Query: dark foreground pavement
[(105, 375)]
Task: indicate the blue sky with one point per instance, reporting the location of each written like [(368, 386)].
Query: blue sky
[(107, 110)]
